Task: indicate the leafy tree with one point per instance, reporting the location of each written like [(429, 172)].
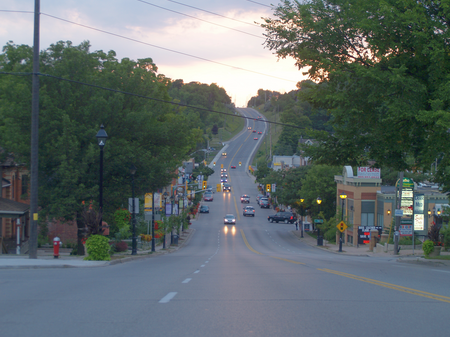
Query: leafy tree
[(382, 73), (152, 135)]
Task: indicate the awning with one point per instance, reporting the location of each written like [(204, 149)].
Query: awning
[(12, 209)]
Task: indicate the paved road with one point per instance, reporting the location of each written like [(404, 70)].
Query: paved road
[(252, 279)]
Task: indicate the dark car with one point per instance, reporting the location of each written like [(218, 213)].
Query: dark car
[(256, 138), (233, 167), (245, 199), (286, 217), (229, 219), (223, 180), (259, 196), (204, 209), (254, 130), (264, 203), (226, 187), (259, 132)]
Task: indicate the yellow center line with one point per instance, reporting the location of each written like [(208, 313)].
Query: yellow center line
[(246, 243), (237, 211), (291, 261), (390, 286)]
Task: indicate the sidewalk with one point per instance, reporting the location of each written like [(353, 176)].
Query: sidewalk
[(45, 257), (405, 255)]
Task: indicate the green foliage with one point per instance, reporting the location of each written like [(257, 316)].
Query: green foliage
[(121, 225), (329, 228), (385, 86), (446, 236), (98, 248), (428, 247), (407, 240)]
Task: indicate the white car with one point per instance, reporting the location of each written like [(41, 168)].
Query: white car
[(249, 210)]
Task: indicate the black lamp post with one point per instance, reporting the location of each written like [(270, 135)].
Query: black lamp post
[(301, 217), (101, 140), (166, 195), (133, 218), (343, 196), (319, 201)]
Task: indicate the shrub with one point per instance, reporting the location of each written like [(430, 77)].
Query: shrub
[(428, 247), (121, 246), (97, 247)]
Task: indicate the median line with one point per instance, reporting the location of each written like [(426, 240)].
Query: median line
[(291, 261), (390, 286), (247, 244)]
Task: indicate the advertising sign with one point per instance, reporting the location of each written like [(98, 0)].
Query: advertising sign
[(419, 222), (148, 202), (405, 230), (364, 233), (369, 173)]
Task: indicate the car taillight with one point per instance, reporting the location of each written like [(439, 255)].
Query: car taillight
[(292, 217)]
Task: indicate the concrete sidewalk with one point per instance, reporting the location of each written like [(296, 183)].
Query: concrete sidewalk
[(405, 255), (45, 257)]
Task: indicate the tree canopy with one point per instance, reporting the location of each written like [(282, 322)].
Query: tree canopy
[(147, 133), (381, 70)]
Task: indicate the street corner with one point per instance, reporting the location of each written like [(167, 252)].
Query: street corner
[(423, 261)]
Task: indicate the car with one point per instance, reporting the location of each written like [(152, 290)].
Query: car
[(223, 180), (224, 153), (254, 130), (249, 210), (208, 196), (245, 199), (223, 170), (256, 138), (259, 117), (259, 132), (264, 203), (204, 209), (233, 167), (209, 189), (229, 219), (226, 187), (223, 175), (259, 196), (249, 128), (286, 217)]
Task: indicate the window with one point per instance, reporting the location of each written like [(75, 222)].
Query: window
[(25, 183), (367, 213)]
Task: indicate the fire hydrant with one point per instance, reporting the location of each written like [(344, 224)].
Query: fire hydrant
[(56, 244)]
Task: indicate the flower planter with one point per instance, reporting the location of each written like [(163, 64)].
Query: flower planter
[(436, 251)]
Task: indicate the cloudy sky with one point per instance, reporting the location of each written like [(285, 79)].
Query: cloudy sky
[(194, 40)]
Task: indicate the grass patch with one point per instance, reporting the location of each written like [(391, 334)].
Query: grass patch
[(440, 257)]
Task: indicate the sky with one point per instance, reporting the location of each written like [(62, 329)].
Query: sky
[(185, 38)]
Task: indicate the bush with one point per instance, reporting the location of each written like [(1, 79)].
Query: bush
[(121, 246), (97, 247), (428, 247)]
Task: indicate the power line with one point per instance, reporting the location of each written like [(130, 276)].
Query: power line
[(144, 97), (260, 3), (222, 16), (193, 17)]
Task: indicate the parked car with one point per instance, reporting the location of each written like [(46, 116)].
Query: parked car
[(245, 199), (229, 219), (286, 217), (249, 210), (204, 209), (208, 196), (226, 187), (259, 196), (264, 203)]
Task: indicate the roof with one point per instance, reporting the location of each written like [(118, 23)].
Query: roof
[(12, 209)]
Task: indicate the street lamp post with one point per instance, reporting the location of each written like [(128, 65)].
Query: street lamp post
[(133, 218), (166, 195), (301, 217), (319, 201), (343, 196), (101, 140)]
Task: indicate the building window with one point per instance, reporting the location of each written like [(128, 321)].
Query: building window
[(380, 219), (25, 183), (367, 213)]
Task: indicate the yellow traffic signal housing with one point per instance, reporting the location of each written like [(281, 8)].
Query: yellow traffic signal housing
[(268, 187), (204, 185)]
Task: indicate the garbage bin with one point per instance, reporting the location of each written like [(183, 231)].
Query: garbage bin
[(320, 240), (175, 239)]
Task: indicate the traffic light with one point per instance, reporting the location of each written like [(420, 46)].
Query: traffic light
[(214, 163), (240, 163), (268, 187), (204, 185)]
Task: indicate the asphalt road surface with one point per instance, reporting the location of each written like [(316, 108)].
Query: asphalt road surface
[(251, 279)]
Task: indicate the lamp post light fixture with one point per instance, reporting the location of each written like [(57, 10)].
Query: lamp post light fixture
[(101, 140), (301, 217), (343, 196), (319, 201), (133, 218), (429, 213), (388, 212)]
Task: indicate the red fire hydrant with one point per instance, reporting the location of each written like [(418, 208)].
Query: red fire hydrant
[(56, 244)]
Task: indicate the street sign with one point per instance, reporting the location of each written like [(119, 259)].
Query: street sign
[(318, 220), (342, 226), (221, 165), (398, 212)]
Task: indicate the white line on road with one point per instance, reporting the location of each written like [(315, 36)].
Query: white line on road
[(442, 271), (202, 266), (197, 271), (168, 297), (186, 280)]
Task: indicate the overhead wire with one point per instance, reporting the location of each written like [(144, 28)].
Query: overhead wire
[(144, 97)]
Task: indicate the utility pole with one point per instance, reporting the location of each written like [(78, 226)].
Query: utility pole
[(34, 137), (398, 218)]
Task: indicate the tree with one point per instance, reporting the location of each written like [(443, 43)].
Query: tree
[(148, 133), (382, 74)]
